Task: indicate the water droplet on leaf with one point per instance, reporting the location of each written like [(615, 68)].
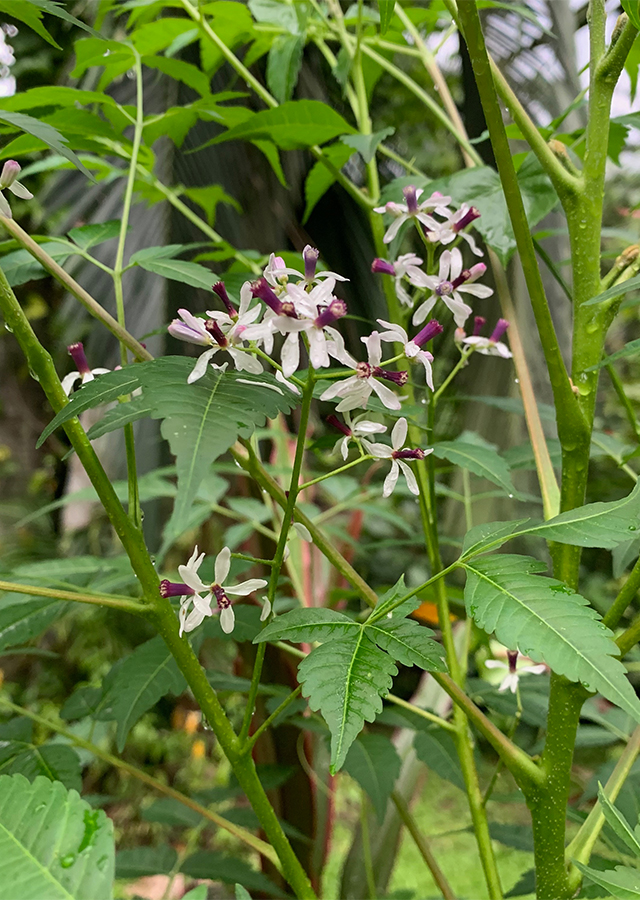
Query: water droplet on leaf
[(68, 860)]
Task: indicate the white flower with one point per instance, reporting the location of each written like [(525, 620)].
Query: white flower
[(84, 373), (277, 272), (514, 671), (402, 212), (397, 454), (454, 226), (10, 172), (355, 390), (490, 346), (450, 282), (412, 348), (358, 429), (406, 266), (193, 587)]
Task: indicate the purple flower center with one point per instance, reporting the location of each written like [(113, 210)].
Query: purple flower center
[(333, 312), (383, 266), (216, 332), (499, 330), (430, 330), (396, 377), (76, 352), (310, 256), (478, 324), (219, 289), (408, 454), (221, 598), (335, 421), (364, 370), (470, 216), (411, 198), (512, 657), (465, 275), (175, 589), (444, 289), (263, 290)]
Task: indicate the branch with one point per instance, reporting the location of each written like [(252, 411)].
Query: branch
[(126, 604)]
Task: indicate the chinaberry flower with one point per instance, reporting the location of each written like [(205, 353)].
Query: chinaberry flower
[(277, 272), (402, 212), (84, 373), (8, 176), (397, 453), (192, 588), (359, 429), (406, 266), (413, 348), (454, 225), (355, 390), (489, 346), (510, 681), (448, 285)]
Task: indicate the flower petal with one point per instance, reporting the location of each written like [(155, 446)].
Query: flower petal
[(412, 483), (391, 479), (192, 579), (384, 393), (227, 619), (399, 434), (200, 367), (222, 565), (246, 587)]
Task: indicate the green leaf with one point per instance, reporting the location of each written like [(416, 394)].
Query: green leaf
[(622, 882), (180, 270), (52, 843), (270, 151), (283, 65), (345, 679), (386, 8), (308, 625), (618, 823), (374, 763), (436, 749), (27, 619), (293, 125), (632, 9), (221, 867), (408, 642), (482, 461), (143, 861), (56, 762), (490, 534), (630, 349), (546, 620), (275, 12), (241, 893), (152, 37), (101, 390), (320, 178), (366, 144), (137, 684), (200, 893), (181, 71), (47, 134), (20, 266), (87, 236), (208, 198), (616, 291), (119, 416), (168, 811), (55, 8), (32, 17)]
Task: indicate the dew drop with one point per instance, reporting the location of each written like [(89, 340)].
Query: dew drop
[(40, 807), (9, 328), (423, 401), (68, 860), (102, 863), (510, 496), (632, 528), (516, 381)]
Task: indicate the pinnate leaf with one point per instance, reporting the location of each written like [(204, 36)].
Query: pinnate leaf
[(27, 619), (52, 844), (345, 679), (57, 762), (179, 270), (374, 763), (480, 460), (47, 134), (283, 65), (307, 625), (291, 126), (546, 620), (623, 882), (408, 642)]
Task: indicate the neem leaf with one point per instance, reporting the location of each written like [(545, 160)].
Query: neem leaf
[(366, 144), (46, 133), (291, 126)]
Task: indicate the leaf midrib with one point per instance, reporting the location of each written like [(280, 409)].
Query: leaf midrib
[(347, 694), (44, 870)]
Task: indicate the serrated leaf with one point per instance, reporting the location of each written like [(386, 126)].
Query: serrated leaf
[(374, 763), (490, 534), (141, 861), (47, 134), (283, 65), (52, 844), (137, 684), (320, 178), (596, 524), (408, 642), (101, 390), (308, 625), (618, 823), (623, 883), (168, 811), (546, 620), (27, 619), (119, 416), (57, 9), (386, 8), (346, 679), (436, 749), (221, 867), (87, 236), (291, 126), (56, 762), (479, 460), (179, 270), (20, 266), (367, 144), (181, 71)]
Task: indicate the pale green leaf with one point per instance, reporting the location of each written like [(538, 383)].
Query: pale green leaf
[(366, 144), (386, 8), (618, 290), (283, 65), (346, 679), (295, 124), (546, 620), (630, 349), (52, 844), (87, 236), (181, 71), (19, 266), (180, 270), (374, 763)]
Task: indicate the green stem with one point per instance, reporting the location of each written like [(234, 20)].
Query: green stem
[(423, 713), (350, 465), (89, 303), (624, 598), (423, 846), (126, 604), (582, 845), (271, 719), (366, 847), (452, 374), (278, 559), (630, 637), (241, 833)]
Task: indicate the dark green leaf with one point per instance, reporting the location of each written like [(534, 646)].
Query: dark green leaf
[(345, 679), (408, 642), (546, 620), (87, 236), (520, 837), (283, 65), (630, 349), (145, 861), (55, 8), (295, 124), (320, 178), (27, 619), (138, 683), (180, 270), (119, 416), (47, 134), (32, 17), (366, 144), (83, 702), (435, 748), (220, 867), (480, 460), (374, 763), (308, 625), (40, 818), (168, 811), (56, 762), (616, 291)]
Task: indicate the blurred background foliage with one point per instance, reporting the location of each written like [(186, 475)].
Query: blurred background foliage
[(537, 44)]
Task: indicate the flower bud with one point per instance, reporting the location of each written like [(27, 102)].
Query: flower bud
[(219, 289), (478, 324), (310, 256), (499, 330), (10, 172), (77, 354), (430, 330), (383, 266), (411, 198)]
